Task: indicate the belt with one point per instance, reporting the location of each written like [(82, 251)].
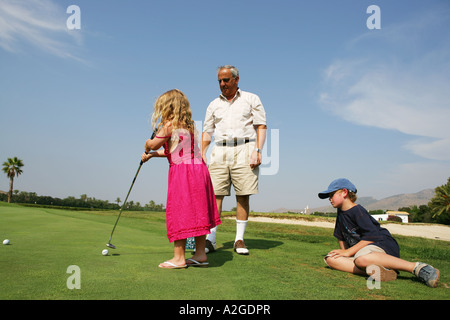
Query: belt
[(235, 142)]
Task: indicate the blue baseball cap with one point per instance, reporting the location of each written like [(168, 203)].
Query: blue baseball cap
[(338, 184)]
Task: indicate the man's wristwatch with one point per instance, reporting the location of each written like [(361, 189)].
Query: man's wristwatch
[(258, 150)]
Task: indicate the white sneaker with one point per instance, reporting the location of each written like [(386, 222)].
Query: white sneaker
[(210, 246)]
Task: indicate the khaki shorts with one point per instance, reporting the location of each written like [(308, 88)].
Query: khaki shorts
[(362, 252), (368, 249), (231, 165)]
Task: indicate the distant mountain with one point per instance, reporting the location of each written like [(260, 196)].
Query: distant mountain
[(403, 200), (389, 203)]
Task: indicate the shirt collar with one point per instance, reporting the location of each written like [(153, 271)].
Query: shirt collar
[(238, 93)]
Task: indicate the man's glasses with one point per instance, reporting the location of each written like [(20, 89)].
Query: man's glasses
[(224, 80)]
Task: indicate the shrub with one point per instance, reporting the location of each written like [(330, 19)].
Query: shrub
[(394, 219)]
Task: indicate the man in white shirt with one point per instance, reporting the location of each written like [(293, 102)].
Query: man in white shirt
[(237, 120)]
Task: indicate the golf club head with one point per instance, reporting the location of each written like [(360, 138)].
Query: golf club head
[(110, 245)]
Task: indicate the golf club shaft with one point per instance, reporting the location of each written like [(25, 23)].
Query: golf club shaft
[(120, 212), (131, 187)]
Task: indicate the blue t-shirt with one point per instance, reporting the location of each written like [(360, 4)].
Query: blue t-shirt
[(357, 224)]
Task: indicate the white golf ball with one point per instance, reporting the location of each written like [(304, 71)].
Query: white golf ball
[(105, 252), (6, 241)]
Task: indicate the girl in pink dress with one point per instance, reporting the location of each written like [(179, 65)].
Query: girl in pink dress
[(191, 209)]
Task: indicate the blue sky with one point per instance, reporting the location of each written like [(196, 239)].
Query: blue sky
[(346, 101)]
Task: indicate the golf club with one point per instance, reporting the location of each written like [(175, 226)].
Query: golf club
[(109, 244)]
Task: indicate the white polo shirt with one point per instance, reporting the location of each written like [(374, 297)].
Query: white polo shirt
[(235, 118)]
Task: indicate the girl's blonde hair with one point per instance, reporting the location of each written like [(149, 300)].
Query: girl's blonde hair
[(173, 106)]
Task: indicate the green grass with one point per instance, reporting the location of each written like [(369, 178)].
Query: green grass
[(285, 261)]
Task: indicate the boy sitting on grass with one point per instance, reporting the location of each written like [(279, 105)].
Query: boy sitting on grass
[(364, 243)]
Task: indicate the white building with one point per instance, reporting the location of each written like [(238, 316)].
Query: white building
[(384, 217)]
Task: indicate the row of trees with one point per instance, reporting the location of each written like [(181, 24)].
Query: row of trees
[(82, 202), (421, 213), (13, 168)]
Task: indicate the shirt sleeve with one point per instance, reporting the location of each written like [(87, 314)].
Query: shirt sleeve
[(208, 125), (258, 111), (338, 233)]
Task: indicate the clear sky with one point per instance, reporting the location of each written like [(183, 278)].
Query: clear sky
[(342, 100)]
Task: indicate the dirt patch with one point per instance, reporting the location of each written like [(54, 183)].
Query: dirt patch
[(430, 231)]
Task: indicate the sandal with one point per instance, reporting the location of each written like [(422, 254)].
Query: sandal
[(195, 263), (172, 265)]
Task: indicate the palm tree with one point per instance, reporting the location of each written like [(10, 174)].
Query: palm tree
[(441, 201), (12, 168)]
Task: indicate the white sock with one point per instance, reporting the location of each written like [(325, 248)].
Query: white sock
[(240, 229), (212, 236)]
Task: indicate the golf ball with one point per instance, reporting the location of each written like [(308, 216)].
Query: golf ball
[(6, 241), (105, 252)]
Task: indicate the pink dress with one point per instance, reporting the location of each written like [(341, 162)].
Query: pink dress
[(191, 208)]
